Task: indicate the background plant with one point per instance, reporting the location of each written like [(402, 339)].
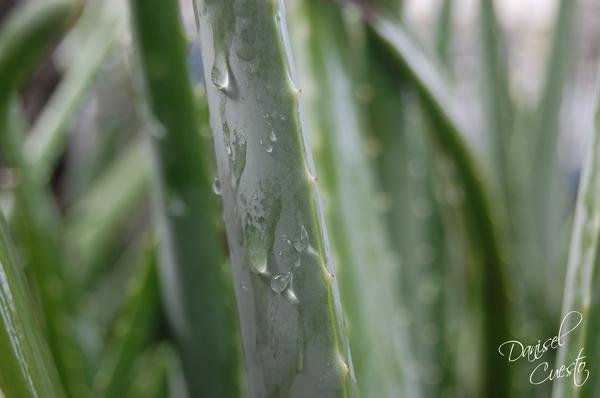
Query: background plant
[(379, 234)]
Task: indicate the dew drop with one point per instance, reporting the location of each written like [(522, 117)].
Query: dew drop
[(268, 147), (280, 282), (216, 186), (302, 243), (220, 77), (256, 252), (343, 365), (272, 136)]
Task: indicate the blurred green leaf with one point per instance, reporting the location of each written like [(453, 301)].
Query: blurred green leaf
[(47, 137), (132, 331), (581, 305), (196, 291), (94, 219), (26, 368), (432, 87)]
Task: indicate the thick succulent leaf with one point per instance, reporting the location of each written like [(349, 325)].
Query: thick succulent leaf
[(293, 332), (426, 76), (581, 307), (367, 270)]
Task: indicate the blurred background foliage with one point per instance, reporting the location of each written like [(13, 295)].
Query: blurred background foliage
[(75, 174)]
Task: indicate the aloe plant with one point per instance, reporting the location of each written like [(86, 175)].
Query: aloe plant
[(433, 89), (196, 294), (370, 292), (580, 299), (290, 312)]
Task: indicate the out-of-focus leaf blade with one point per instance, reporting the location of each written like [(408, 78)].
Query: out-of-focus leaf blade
[(131, 332), (581, 300), (196, 289), (428, 79)]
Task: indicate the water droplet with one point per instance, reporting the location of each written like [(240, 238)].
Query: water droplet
[(272, 136), (228, 150), (291, 296), (280, 282), (220, 77), (257, 257), (268, 147), (343, 365), (302, 243), (216, 186), (177, 207)]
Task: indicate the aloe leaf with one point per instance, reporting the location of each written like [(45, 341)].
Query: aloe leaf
[(369, 293), (37, 223), (293, 331), (546, 131), (443, 35), (25, 37), (499, 110), (447, 132), (93, 219), (197, 294), (131, 332), (580, 309), (548, 178), (27, 368), (47, 137)]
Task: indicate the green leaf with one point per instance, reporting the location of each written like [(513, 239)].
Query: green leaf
[(409, 59), (26, 35), (94, 218), (47, 137), (131, 332), (27, 368), (38, 226), (581, 305), (290, 313), (197, 293), (367, 270)]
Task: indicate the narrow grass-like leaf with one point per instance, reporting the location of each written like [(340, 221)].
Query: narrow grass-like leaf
[(37, 223), (47, 137), (447, 133), (499, 110), (26, 369), (198, 296), (131, 332), (92, 221), (581, 306), (443, 34), (547, 178), (380, 350), (293, 332), (25, 37)]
